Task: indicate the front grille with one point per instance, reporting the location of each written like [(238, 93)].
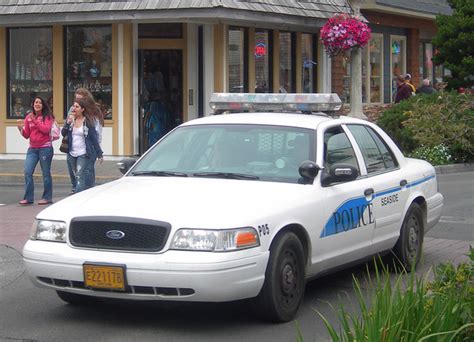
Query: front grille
[(119, 233), (141, 290)]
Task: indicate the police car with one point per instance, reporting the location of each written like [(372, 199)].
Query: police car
[(240, 205)]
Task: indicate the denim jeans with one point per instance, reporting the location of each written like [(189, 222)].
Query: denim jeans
[(71, 169), (45, 157), (90, 182), (79, 166)]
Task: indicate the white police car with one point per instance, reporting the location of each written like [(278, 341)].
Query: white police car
[(239, 206)]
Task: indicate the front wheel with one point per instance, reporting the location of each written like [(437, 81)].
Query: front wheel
[(284, 285), (409, 245)]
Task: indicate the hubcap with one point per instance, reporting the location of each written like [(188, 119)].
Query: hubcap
[(288, 279), (413, 240)]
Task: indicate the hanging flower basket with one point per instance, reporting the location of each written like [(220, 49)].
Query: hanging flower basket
[(344, 32)]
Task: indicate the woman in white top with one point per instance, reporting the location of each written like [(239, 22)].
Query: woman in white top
[(84, 147)]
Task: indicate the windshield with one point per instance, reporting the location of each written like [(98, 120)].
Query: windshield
[(250, 152)]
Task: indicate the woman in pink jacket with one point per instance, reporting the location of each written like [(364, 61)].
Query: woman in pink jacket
[(37, 128)]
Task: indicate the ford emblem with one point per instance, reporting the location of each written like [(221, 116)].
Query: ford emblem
[(115, 234)]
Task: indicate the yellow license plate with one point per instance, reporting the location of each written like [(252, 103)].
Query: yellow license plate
[(104, 277)]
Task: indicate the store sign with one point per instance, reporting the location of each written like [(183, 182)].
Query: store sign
[(260, 50)]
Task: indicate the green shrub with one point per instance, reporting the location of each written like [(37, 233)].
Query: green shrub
[(410, 309), (445, 118), (391, 121), (437, 155)]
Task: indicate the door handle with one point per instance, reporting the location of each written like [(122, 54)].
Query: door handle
[(403, 182), (368, 192)]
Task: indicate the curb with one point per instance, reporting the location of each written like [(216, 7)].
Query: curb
[(452, 168)]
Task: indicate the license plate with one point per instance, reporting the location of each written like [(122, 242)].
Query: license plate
[(104, 277)]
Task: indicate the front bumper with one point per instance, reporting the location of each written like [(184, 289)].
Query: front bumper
[(172, 275)]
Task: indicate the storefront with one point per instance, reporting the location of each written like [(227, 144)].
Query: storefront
[(400, 44), (149, 74)]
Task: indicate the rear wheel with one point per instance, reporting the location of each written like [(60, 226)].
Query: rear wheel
[(284, 284), (409, 245), (75, 299)]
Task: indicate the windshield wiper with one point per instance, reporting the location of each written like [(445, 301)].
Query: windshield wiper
[(159, 173), (229, 175)]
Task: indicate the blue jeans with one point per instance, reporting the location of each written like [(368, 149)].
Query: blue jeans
[(45, 156), (79, 166)]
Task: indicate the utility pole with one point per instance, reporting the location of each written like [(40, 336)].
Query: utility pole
[(356, 76)]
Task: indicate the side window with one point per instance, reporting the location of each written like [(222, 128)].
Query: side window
[(377, 156), (338, 149)]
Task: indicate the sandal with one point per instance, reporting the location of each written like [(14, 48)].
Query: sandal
[(25, 202), (44, 202)]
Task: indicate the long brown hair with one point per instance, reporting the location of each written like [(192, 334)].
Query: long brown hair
[(91, 110), (85, 93), (46, 111)]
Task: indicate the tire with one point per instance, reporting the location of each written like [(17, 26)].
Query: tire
[(284, 285), (408, 248), (75, 299)]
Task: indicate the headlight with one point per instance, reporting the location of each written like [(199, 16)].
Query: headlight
[(215, 240), (49, 231)]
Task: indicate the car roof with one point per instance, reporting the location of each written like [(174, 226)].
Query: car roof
[(310, 121)]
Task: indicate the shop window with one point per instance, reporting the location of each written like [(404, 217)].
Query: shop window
[(287, 61), (372, 72), (262, 54), (308, 53), (30, 68), (397, 60), (237, 63), (375, 68), (160, 31), (89, 64)]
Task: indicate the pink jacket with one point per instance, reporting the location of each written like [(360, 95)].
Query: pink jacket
[(37, 130)]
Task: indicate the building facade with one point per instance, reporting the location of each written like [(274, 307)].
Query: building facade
[(153, 64)]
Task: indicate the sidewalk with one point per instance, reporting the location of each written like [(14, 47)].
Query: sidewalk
[(11, 171)]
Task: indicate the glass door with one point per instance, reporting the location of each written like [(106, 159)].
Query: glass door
[(160, 94)]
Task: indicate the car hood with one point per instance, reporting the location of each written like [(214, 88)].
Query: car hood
[(185, 202)]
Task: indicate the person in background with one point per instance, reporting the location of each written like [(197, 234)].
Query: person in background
[(408, 81), (83, 143), (81, 93), (403, 90), (426, 88), (37, 128)]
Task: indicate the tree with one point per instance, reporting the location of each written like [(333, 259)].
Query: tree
[(454, 43)]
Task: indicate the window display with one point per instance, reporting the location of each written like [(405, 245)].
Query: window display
[(30, 68), (286, 62), (236, 60), (372, 72), (262, 53), (398, 64), (309, 63), (89, 64)]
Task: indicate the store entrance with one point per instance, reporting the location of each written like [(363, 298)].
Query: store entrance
[(161, 94)]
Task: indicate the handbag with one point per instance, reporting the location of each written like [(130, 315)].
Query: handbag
[(55, 132), (64, 145)]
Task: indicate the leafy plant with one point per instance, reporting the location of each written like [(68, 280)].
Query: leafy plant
[(409, 308), (454, 43), (429, 121), (437, 155)]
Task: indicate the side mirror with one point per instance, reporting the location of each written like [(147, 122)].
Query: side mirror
[(125, 164), (308, 170), (339, 173)]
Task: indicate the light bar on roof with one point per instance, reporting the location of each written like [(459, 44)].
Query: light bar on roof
[(221, 102)]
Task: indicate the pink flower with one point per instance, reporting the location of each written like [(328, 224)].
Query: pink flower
[(344, 32)]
